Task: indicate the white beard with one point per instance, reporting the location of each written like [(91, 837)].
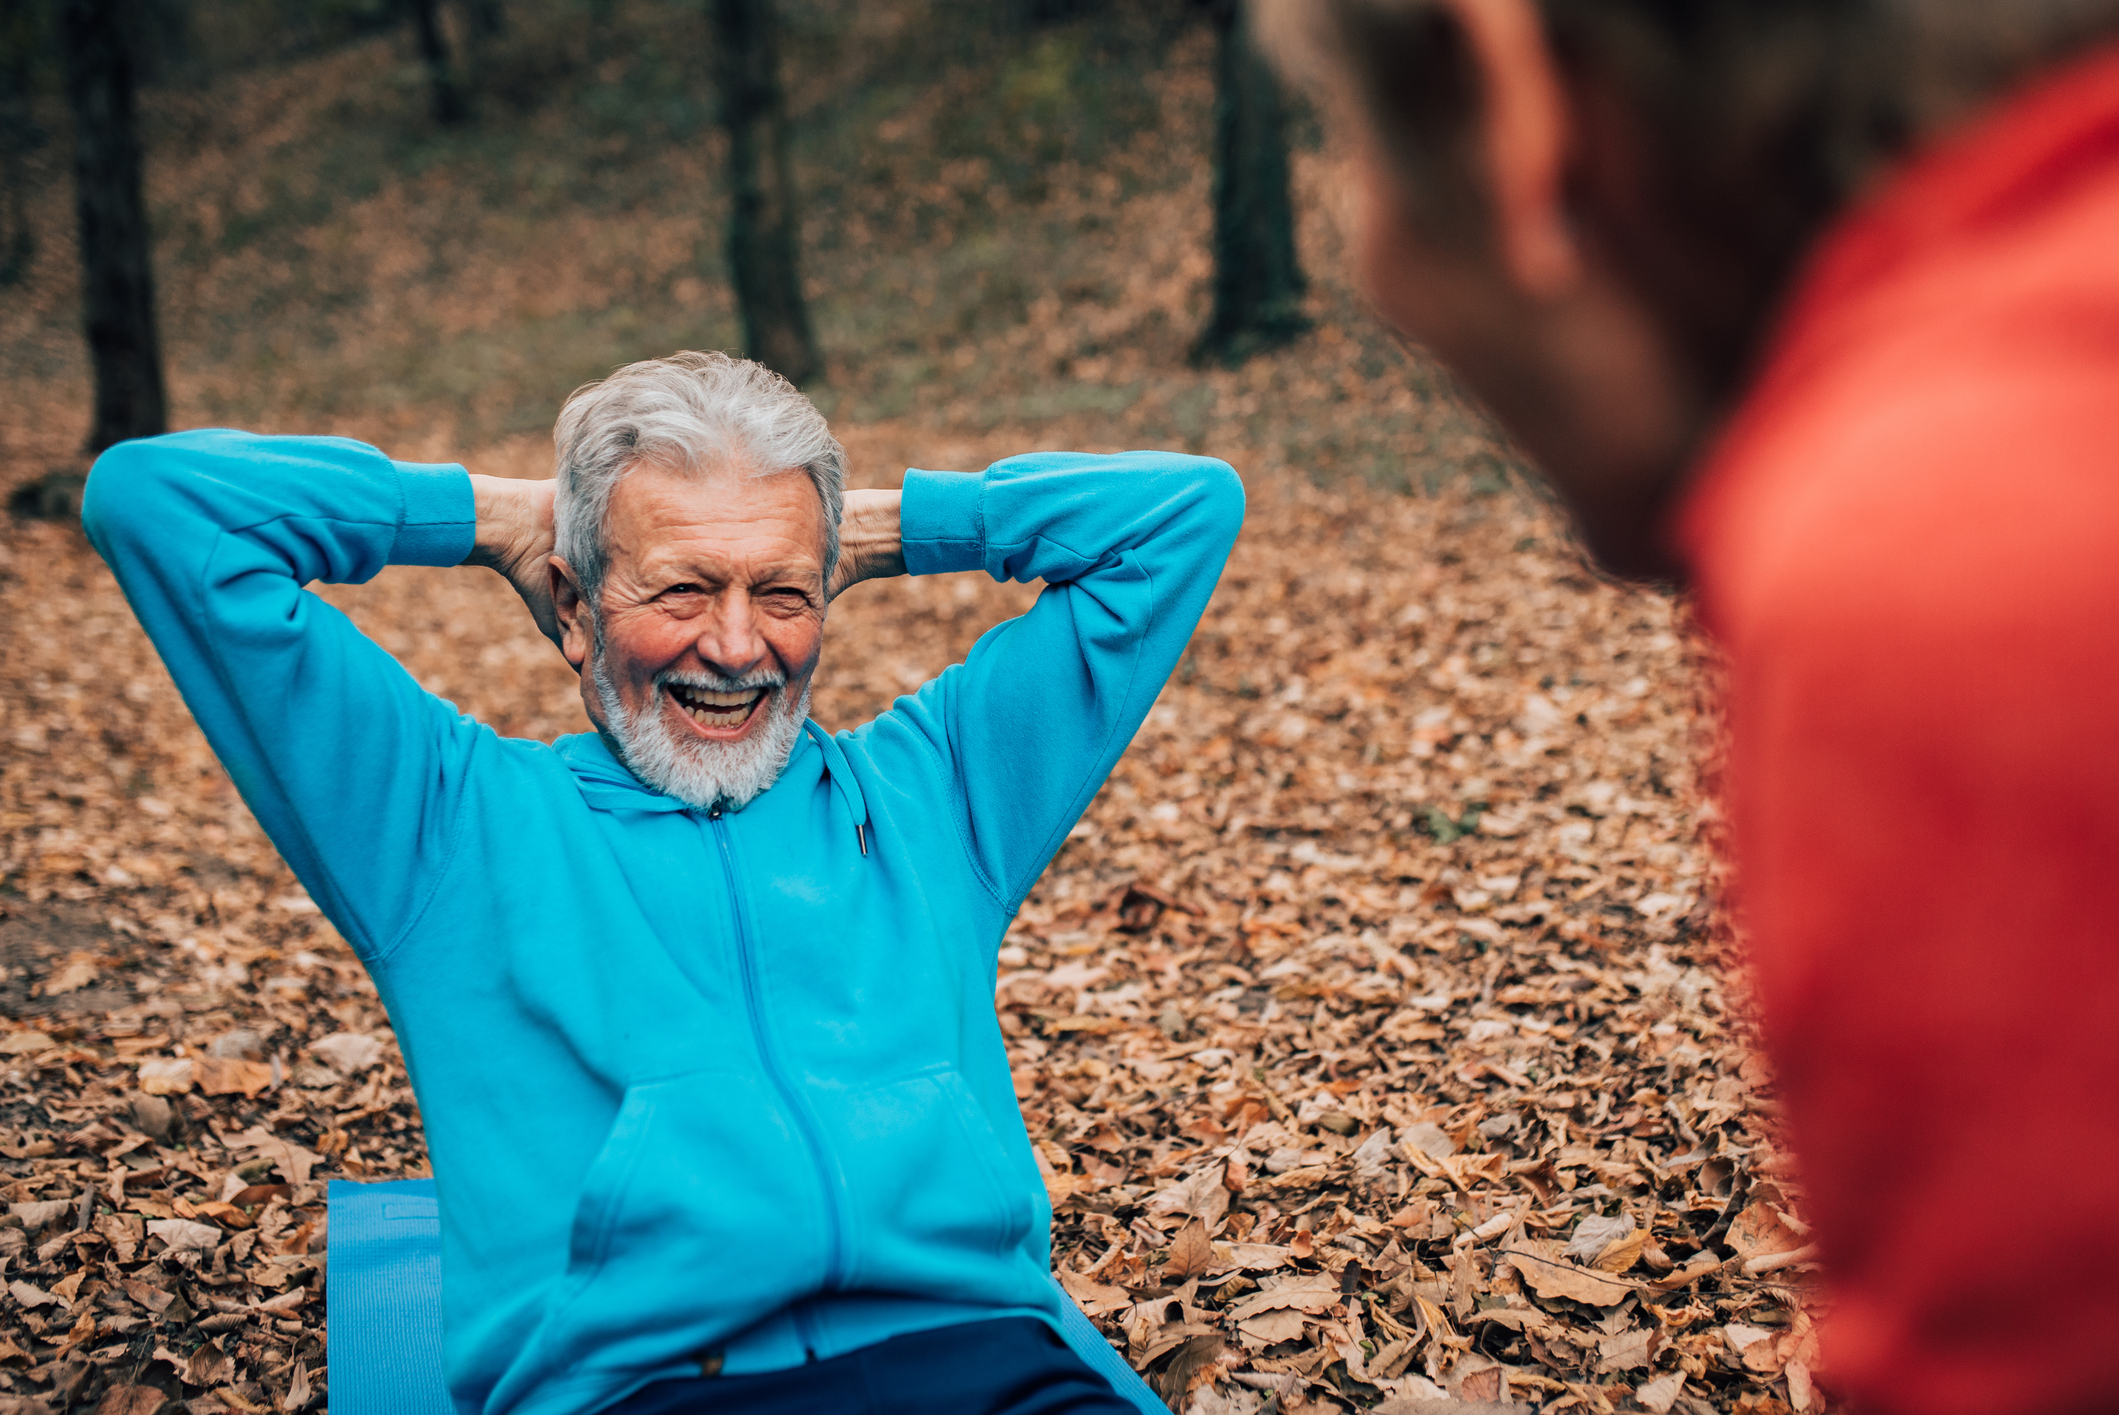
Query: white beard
[(697, 772)]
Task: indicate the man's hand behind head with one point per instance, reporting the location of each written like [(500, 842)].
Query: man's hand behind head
[(515, 538)]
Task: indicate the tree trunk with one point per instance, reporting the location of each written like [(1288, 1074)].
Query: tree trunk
[(117, 276), (486, 18), (444, 96), (1257, 282), (1020, 15), (763, 228), (19, 136)]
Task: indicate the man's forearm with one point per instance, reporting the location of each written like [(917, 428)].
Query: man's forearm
[(871, 545), (514, 537)]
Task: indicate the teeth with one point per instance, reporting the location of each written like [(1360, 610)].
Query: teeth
[(715, 709)]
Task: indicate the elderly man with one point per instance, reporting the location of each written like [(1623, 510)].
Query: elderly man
[(1816, 306), (698, 1006)]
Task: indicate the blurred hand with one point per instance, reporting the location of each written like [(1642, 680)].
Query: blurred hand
[(515, 537)]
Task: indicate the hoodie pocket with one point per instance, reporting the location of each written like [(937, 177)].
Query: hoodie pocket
[(934, 1209), (701, 1214)]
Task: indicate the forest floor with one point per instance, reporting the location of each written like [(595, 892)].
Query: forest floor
[(1375, 1029)]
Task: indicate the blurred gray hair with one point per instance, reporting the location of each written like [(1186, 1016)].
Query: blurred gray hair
[(699, 412)]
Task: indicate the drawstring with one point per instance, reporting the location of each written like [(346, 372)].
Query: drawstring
[(843, 784)]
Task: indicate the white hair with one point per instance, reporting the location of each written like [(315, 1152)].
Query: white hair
[(699, 412)]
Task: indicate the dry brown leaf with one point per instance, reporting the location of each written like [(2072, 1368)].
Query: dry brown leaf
[(167, 1076), (131, 1400), (1550, 1275), (1318, 1293), (1271, 1328), (291, 1159), (1658, 1395), (1192, 1252), (230, 1076), (1202, 1195), (1628, 1350)]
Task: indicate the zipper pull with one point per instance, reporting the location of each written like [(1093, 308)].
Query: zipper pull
[(713, 812)]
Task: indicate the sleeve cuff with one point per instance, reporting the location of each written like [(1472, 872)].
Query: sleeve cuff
[(940, 522), (440, 522)]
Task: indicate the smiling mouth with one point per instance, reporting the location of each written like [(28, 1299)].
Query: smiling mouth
[(716, 711)]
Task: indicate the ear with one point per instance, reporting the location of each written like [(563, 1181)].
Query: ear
[(1524, 114), (577, 635)]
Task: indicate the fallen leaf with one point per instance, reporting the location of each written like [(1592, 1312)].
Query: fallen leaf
[(1627, 1351), (153, 1298), (80, 970), (166, 1076), (1249, 1257), (1658, 1395), (1316, 1293), (226, 1215), (1372, 1157), (293, 1161), (1189, 1363), (183, 1235), (24, 1042), (131, 1400), (30, 1295), (1271, 1328), (1193, 1252), (1202, 1195), (1553, 1276), (1093, 1297), (1430, 1140), (1759, 1350), (229, 1076), (298, 1392), (1477, 1381), (1800, 1392), (1594, 1234), (1622, 1252), (348, 1053), (208, 1365)]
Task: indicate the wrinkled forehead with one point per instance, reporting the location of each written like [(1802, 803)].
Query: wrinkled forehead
[(730, 520)]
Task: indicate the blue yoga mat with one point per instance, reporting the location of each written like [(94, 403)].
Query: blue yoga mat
[(383, 1307)]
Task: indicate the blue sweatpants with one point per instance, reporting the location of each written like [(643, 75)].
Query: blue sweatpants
[(1009, 1366)]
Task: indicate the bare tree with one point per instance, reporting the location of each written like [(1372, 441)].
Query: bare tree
[(443, 94), (1035, 14), (20, 36), (1257, 282), (763, 227), (117, 274), (487, 19)]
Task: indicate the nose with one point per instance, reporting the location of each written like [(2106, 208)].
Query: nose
[(731, 641)]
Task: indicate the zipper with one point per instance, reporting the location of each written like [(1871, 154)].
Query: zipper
[(753, 999)]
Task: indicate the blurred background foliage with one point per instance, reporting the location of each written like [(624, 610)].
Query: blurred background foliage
[(1005, 222)]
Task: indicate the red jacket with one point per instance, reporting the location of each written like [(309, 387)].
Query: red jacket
[(1908, 543)]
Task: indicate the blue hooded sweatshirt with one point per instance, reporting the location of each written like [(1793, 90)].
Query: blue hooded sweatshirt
[(693, 1081)]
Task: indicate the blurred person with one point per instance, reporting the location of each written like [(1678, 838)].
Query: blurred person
[(1813, 306), (698, 1006)]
